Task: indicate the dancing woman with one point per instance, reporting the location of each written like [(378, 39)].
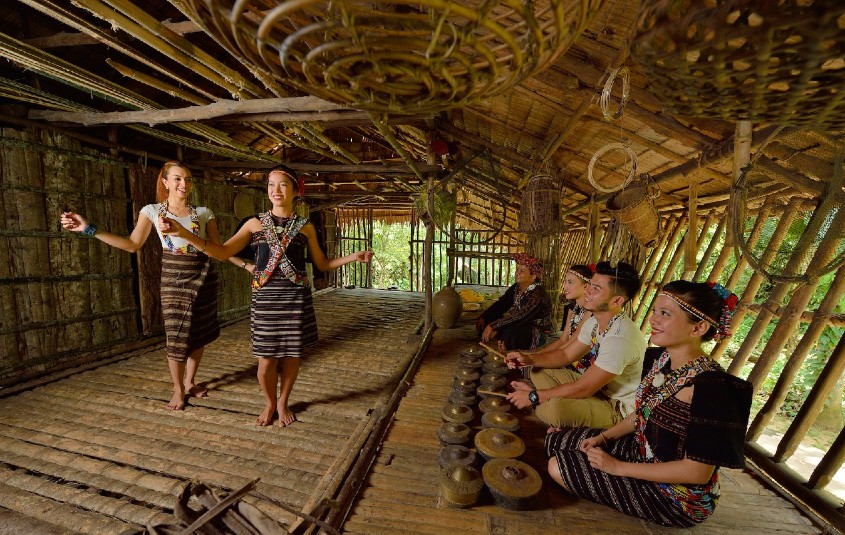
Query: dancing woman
[(189, 284), (282, 312), (661, 463)]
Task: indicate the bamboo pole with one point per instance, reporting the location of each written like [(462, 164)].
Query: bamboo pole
[(814, 404), (754, 283), (668, 276), (665, 257), (797, 304), (830, 464), (799, 354), (711, 247), (656, 253), (796, 262), (753, 238)]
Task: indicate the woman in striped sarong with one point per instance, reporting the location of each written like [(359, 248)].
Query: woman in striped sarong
[(662, 462), (282, 312), (189, 284)]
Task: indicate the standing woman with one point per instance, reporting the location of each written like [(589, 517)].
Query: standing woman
[(282, 312), (189, 285), (662, 462)]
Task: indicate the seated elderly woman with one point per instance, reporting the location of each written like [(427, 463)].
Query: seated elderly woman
[(522, 317), (662, 462)]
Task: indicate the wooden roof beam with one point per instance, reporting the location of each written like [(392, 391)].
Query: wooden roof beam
[(77, 39), (388, 168)]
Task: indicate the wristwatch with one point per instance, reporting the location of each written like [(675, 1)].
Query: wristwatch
[(534, 398)]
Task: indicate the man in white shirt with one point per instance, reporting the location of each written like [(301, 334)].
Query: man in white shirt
[(593, 380)]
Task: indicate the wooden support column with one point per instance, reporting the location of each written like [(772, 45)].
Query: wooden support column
[(711, 247), (833, 459), (791, 316), (813, 406), (753, 285), (743, 136), (799, 355), (796, 264), (665, 257), (668, 276)]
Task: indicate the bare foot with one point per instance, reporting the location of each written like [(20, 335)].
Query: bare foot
[(196, 391), (266, 416), (177, 402), (286, 417)]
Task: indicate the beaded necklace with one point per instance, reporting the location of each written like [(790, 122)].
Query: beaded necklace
[(195, 228), (577, 316), (656, 387), (588, 359)]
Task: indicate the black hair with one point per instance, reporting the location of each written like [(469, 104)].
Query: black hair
[(624, 279), (286, 170), (700, 296)]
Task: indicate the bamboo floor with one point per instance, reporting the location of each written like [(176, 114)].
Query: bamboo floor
[(97, 451), (401, 493)]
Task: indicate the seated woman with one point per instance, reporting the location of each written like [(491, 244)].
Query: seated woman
[(662, 462), (522, 317)]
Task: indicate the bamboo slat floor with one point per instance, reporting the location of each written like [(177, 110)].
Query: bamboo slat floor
[(97, 451), (401, 494)]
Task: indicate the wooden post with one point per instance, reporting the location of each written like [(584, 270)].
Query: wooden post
[(668, 276), (656, 253), (791, 316), (711, 247), (830, 463), (753, 285), (665, 257), (815, 402), (799, 355), (743, 136), (823, 254)]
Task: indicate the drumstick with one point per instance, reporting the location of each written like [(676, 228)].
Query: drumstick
[(490, 349), (504, 357), (491, 393)]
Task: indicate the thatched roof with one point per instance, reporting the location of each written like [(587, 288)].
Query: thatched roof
[(116, 56)]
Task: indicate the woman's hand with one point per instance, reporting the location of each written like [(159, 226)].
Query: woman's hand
[(73, 222), (171, 227), (250, 267), (592, 442), (488, 334), (364, 256), (601, 460)]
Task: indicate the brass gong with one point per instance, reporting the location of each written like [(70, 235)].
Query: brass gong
[(500, 420), (495, 443), (460, 485), (513, 483)]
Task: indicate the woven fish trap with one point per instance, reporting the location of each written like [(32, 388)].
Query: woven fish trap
[(540, 212), (397, 56), (634, 208), (778, 61)]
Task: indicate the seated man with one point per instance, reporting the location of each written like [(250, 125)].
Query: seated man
[(606, 360), (522, 317)]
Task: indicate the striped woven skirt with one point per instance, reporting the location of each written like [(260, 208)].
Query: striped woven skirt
[(189, 287), (631, 496), (283, 322)]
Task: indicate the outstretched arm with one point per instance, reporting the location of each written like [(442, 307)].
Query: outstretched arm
[(76, 223), (319, 258), (216, 250)]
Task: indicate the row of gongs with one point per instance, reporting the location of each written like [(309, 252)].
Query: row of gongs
[(512, 483)]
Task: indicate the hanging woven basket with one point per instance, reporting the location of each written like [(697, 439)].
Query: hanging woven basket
[(773, 61), (634, 208), (540, 213), (397, 56)]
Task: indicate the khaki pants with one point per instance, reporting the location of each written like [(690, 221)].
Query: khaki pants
[(594, 411)]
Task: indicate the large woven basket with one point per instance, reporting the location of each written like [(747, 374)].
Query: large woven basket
[(540, 212), (634, 208), (774, 61), (397, 56)]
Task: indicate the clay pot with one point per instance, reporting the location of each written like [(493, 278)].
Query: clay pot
[(446, 307)]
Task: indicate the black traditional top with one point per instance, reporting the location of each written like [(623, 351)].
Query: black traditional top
[(531, 307)]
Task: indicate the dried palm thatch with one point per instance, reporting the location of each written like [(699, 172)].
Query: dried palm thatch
[(776, 62), (401, 55)]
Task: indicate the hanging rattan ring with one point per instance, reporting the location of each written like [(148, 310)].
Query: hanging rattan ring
[(599, 153), (608, 89)]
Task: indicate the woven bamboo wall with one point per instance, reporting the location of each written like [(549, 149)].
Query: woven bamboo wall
[(66, 299)]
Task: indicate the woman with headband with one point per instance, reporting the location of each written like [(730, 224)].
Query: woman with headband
[(283, 322), (661, 463), (521, 318)]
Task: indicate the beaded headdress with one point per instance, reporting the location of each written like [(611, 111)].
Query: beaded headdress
[(591, 267), (722, 324), (535, 267)]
